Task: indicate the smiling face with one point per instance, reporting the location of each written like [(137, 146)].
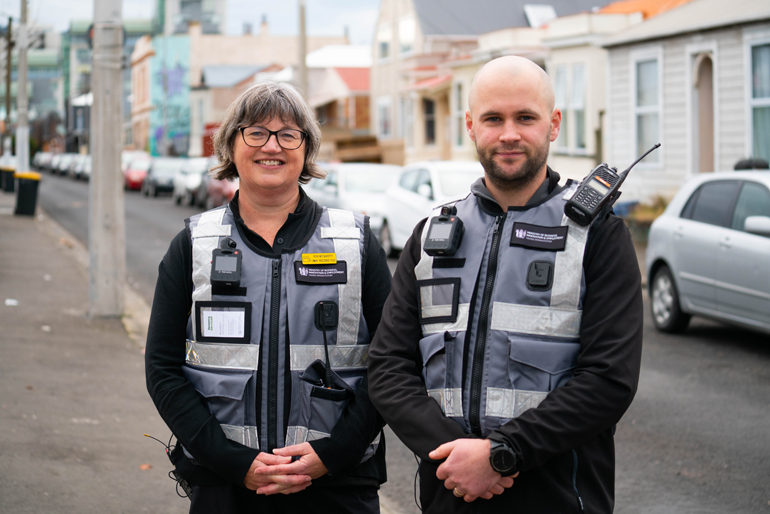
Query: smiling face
[(512, 122), (269, 169)]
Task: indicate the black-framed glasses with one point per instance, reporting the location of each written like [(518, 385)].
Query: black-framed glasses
[(288, 139)]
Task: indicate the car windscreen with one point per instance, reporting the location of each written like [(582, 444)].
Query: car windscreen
[(455, 183), (140, 165), (367, 181), (165, 168)]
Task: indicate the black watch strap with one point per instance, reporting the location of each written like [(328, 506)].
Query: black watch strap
[(502, 458)]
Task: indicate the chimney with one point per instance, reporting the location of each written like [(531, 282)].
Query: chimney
[(263, 29)]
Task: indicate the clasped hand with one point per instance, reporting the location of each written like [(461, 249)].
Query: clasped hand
[(276, 473), (467, 470)]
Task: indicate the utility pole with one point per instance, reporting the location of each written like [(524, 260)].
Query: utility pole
[(106, 229), (8, 66), (22, 123), (302, 51)]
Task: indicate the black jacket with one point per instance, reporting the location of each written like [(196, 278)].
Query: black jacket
[(565, 446), (181, 407)]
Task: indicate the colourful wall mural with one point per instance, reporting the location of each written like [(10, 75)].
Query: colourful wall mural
[(170, 93)]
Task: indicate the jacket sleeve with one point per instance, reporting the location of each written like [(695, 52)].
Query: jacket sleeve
[(395, 365), (360, 422), (178, 403), (607, 370)]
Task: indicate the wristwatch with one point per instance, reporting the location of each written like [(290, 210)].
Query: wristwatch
[(502, 459)]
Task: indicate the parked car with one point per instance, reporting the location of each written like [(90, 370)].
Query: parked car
[(355, 186), (708, 253), (160, 175), (41, 159), (64, 163), (126, 156), (188, 181), (81, 169), (76, 165), (135, 172), (219, 192), (53, 164), (420, 188)]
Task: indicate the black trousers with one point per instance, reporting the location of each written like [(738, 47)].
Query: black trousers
[(231, 499)]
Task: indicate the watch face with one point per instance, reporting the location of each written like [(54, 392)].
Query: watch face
[(503, 460)]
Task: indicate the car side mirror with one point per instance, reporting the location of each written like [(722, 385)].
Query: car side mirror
[(425, 190), (759, 225)]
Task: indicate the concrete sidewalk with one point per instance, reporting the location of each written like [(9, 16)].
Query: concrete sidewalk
[(73, 403)]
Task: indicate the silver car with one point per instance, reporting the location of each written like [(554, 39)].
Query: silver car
[(420, 187), (708, 254), (357, 187)]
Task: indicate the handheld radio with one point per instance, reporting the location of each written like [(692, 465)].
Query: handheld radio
[(600, 189)]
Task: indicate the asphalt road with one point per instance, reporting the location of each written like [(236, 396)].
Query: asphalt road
[(695, 440)]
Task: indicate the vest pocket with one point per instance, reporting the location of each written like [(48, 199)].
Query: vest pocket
[(223, 392), (320, 407), (433, 350), (540, 365)]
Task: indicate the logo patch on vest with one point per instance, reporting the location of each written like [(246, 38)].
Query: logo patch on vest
[(336, 273), (552, 239)]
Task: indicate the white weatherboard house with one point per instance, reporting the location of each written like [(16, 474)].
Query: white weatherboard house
[(696, 79)]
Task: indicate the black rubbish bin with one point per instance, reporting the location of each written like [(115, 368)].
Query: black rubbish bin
[(7, 172), (26, 198)]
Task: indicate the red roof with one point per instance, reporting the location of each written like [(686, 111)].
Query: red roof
[(648, 8), (357, 79), (430, 83)]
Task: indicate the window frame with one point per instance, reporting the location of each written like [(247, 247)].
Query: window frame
[(458, 131), (752, 103), (655, 54)]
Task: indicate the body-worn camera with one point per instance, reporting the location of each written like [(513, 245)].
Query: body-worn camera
[(445, 233), (226, 265)]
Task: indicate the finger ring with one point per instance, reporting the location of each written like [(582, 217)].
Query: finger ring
[(457, 493)]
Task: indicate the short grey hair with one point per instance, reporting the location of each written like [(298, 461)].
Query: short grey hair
[(260, 103)]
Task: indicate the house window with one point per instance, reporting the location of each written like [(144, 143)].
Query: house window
[(459, 114), (561, 90), (406, 33), (408, 120), (577, 105), (569, 91), (384, 117), (429, 117), (647, 107), (384, 35), (760, 100)]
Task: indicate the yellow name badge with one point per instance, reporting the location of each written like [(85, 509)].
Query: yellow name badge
[(319, 258)]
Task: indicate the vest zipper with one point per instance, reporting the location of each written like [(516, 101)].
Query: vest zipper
[(272, 356), (481, 339)]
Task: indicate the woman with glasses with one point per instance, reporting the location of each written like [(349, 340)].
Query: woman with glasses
[(258, 340)]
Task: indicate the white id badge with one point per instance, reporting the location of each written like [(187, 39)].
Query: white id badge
[(228, 322)]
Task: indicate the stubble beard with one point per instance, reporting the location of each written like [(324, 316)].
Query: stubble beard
[(528, 170)]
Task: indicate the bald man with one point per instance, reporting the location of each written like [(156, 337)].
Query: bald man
[(506, 366)]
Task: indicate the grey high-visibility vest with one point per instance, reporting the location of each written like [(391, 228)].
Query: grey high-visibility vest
[(504, 311), (274, 307)]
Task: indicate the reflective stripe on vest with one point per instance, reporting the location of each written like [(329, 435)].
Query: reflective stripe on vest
[(205, 238), (247, 436), (246, 356), (511, 403), (346, 235), (450, 401)]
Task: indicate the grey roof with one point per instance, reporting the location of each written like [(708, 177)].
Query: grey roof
[(694, 16), (469, 18), (228, 76)]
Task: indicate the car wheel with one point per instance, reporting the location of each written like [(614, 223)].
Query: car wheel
[(666, 313), (178, 199), (387, 245)]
